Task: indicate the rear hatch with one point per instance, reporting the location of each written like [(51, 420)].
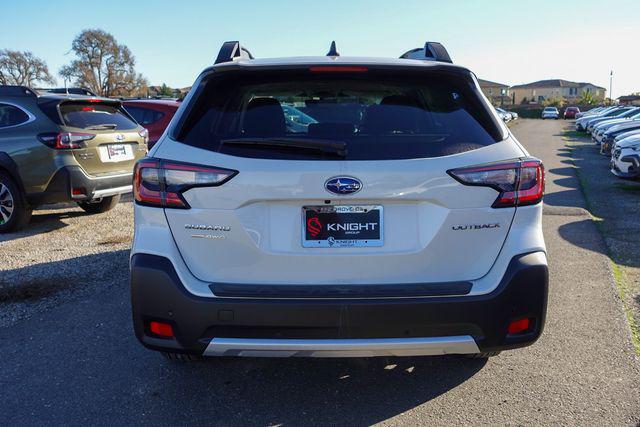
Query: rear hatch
[(113, 141), (342, 177)]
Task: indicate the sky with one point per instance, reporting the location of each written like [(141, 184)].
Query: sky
[(512, 42)]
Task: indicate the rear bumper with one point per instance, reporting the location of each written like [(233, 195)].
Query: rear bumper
[(337, 326), (68, 178)]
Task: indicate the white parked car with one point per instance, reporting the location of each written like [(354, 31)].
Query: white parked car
[(550, 113), (403, 220), (589, 112), (581, 123), (628, 119), (504, 115), (625, 158)]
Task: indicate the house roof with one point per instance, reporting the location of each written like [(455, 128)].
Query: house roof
[(487, 83), (629, 98), (553, 83)]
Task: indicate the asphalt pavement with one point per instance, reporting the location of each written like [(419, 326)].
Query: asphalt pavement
[(76, 361)]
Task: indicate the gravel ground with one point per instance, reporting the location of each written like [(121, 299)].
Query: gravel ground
[(616, 205), (63, 253)]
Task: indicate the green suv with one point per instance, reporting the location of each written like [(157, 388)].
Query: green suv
[(63, 148)]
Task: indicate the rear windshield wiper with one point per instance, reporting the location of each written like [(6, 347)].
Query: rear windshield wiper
[(338, 148), (103, 126)]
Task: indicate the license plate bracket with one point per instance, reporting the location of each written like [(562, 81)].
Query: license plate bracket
[(339, 226)]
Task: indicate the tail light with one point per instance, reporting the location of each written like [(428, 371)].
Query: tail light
[(160, 183), (65, 140), (520, 182)]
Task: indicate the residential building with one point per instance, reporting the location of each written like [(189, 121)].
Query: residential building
[(497, 93), (629, 100), (538, 92)]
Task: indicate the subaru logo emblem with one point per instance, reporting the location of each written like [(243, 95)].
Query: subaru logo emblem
[(119, 137), (343, 185)]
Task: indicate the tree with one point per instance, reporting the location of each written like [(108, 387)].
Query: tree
[(165, 90), (23, 69), (587, 98), (103, 65), (553, 102)]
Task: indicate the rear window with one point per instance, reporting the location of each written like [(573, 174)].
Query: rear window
[(373, 115), (85, 115)]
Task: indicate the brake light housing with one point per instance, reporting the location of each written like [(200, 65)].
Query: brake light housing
[(161, 183), (65, 140), (519, 182)]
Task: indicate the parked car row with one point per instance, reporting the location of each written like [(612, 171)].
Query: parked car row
[(616, 131), (554, 113)]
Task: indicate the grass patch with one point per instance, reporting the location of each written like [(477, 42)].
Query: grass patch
[(621, 284)]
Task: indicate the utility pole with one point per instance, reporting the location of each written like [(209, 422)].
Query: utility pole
[(610, 87)]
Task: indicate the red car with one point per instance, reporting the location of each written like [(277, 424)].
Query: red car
[(570, 112), (153, 114)]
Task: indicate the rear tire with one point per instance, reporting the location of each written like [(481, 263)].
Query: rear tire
[(15, 213), (104, 205), (484, 355), (181, 357)]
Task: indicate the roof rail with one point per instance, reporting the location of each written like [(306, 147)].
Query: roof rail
[(231, 50), (11, 90), (432, 51)]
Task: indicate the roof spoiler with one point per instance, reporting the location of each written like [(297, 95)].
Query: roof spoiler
[(432, 51), (11, 90), (67, 91), (232, 50)]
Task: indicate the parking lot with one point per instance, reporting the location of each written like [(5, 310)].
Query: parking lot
[(66, 333)]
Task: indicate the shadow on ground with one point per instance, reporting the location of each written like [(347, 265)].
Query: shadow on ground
[(87, 346), (49, 218), (614, 202), (312, 391), (38, 281)]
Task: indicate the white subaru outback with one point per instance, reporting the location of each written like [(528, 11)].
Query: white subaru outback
[(337, 206)]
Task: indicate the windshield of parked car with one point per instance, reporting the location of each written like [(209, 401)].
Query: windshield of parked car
[(551, 109), (376, 116)]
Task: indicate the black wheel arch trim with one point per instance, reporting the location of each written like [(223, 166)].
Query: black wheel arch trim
[(8, 164)]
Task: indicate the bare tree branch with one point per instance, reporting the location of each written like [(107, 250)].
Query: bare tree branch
[(23, 69)]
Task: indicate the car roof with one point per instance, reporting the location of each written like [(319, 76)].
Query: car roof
[(332, 60)]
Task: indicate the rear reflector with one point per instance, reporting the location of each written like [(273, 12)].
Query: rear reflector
[(519, 326), (519, 182), (161, 329), (160, 183)]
